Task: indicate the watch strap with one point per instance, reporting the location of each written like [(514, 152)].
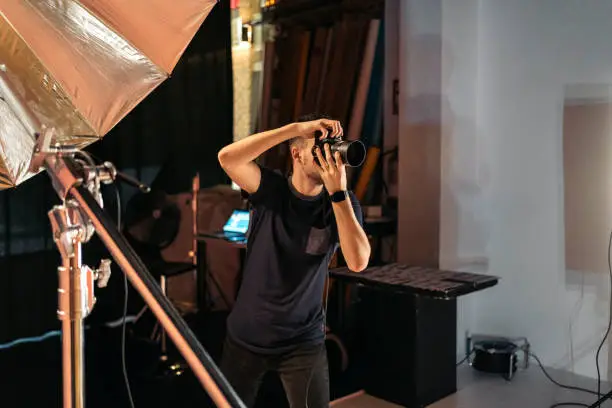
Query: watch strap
[(338, 196)]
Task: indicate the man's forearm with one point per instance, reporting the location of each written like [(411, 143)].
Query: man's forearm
[(249, 148), (353, 240)]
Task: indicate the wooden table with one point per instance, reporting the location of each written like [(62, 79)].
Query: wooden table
[(407, 329)]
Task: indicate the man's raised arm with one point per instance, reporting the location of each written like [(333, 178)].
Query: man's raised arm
[(237, 159)]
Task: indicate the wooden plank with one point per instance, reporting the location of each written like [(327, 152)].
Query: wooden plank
[(347, 68), (302, 67), (288, 60), (334, 69), (363, 84), (325, 67), (316, 65), (266, 97)]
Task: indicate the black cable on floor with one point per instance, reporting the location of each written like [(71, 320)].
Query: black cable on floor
[(567, 387), (465, 358), (598, 392), (558, 384), (125, 306), (609, 323)]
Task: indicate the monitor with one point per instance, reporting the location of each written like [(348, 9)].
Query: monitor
[(238, 222)]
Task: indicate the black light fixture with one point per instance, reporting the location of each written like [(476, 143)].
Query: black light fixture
[(247, 33), (497, 355)]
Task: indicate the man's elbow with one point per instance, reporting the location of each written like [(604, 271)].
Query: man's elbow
[(360, 260), (223, 157), (358, 265)]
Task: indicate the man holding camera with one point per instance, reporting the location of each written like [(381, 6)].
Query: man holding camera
[(278, 320)]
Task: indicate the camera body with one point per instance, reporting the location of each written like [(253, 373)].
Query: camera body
[(353, 153)]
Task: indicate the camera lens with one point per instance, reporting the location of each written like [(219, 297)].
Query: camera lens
[(355, 153)]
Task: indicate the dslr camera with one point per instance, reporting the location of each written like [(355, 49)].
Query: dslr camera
[(353, 153)]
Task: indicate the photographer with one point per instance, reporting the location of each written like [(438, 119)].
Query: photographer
[(278, 320)]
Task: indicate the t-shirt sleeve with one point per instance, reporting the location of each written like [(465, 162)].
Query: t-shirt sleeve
[(270, 186)]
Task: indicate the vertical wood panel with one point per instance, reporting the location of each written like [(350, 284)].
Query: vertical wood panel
[(419, 180), (587, 168)]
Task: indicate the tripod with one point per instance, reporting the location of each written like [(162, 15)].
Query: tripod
[(75, 295), (77, 179)]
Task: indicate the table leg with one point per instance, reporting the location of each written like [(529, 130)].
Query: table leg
[(201, 277)]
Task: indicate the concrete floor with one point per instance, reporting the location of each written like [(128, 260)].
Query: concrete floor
[(528, 389), (361, 400), (31, 377)]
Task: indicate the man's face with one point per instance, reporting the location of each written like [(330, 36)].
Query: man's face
[(302, 157)]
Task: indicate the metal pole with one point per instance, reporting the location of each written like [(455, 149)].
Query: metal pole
[(71, 392), (209, 375), (77, 298), (74, 303)]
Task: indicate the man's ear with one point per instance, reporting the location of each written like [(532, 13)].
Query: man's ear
[(295, 153)]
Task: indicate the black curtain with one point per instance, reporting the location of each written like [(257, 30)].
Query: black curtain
[(173, 134)]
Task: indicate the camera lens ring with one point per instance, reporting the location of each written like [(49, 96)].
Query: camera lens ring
[(355, 154)]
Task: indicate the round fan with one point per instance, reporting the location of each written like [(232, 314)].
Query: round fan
[(152, 220)]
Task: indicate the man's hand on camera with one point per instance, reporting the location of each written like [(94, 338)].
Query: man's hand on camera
[(327, 127), (332, 170)]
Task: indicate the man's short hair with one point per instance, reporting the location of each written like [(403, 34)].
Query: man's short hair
[(297, 141), (312, 116)]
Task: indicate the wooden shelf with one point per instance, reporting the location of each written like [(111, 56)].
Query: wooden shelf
[(319, 12)]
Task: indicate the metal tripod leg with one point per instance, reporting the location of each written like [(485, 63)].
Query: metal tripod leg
[(72, 338), (79, 184), (75, 299)]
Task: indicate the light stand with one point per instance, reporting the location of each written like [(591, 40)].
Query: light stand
[(77, 182), (75, 296)]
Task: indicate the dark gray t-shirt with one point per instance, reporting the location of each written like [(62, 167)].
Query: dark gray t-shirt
[(292, 239)]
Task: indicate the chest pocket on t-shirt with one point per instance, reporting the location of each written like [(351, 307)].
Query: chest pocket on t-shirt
[(319, 241)]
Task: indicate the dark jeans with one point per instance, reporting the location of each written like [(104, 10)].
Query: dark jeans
[(303, 372)]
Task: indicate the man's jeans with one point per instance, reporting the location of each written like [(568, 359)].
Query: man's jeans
[(303, 372)]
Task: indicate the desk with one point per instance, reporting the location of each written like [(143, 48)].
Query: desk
[(407, 329), (203, 271)]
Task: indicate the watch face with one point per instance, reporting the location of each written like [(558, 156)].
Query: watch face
[(338, 196)]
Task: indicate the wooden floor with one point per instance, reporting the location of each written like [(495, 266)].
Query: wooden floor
[(528, 389)]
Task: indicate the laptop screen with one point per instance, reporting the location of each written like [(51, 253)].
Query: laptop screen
[(237, 222)]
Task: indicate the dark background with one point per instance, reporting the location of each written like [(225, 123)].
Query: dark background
[(174, 133)]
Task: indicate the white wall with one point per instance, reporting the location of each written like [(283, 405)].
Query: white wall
[(462, 216), (506, 65)]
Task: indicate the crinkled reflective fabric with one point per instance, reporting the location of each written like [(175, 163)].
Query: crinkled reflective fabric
[(82, 66)]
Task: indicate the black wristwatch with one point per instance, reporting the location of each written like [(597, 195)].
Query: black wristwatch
[(338, 196)]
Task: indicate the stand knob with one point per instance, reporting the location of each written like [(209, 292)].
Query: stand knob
[(103, 273)]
